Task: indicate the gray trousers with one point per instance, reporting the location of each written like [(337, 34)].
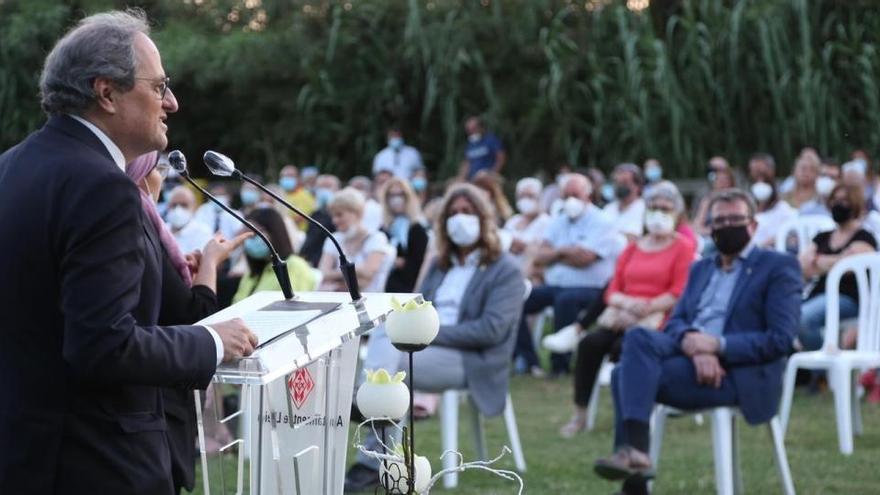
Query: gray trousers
[(437, 369)]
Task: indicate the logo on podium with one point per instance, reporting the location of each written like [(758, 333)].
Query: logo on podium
[(300, 385)]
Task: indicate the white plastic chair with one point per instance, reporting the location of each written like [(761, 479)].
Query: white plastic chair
[(806, 227), (842, 364), (540, 323), (449, 403), (728, 480)]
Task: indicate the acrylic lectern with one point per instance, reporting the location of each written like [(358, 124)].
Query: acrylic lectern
[(294, 393)]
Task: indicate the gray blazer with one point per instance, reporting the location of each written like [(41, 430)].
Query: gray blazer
[(486, 328)]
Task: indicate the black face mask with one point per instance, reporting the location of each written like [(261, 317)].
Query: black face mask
[(622, 191), (731, 240), (841, 213)]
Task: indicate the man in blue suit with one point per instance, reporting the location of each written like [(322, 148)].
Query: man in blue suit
[(724, 345)]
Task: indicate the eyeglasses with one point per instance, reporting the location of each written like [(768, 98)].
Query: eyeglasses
[(163, 169), (161, 87), (728, 221)]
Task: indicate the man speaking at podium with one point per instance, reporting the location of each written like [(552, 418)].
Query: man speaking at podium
[(81, 360)]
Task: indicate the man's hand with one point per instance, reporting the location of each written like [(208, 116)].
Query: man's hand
[(709, 370), (695, 343), (238, 340)]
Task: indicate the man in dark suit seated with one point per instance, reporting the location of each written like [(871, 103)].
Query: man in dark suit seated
[(82, 360), (724, 345)]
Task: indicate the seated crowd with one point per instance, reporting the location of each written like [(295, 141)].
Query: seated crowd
[(697, 310)]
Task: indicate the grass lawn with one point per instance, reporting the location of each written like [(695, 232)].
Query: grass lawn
[(557, 466)]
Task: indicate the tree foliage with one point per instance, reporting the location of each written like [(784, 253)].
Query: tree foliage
[(592, 83)]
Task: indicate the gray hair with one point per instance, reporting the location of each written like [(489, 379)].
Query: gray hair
[(530, 183), (732, 195), (101, 45), (665, 190)]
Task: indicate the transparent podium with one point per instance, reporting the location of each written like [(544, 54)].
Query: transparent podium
[(282, 414)]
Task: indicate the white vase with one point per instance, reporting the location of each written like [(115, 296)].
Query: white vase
[(398, 475), (416, 327), (383, 400)]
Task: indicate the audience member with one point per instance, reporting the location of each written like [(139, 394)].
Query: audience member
[(527, 227), (260, 275), (484, 151), (367, 249), (296, 193), (648, 279), (578, 252), (550, 199), (597, 179), (490, 183), (720, 177), (398, 158), (847, 205), (653, 173), (189, 233), (804, 197), (371, 218), (250, 198), (312, 247), (295, 235), (210, 214), (724, 345), (405, 227), (772, 214), (627, 211), (762, 168), (478, 292), (419, 183), (309, 176)]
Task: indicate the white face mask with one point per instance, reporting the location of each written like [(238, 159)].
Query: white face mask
[(824, 185), (349, 234), (179, 216), (659, 222), (396, 203), (475, 137), (560, 179), (573, 207), (463, 229), (526, 206), (762, 191)]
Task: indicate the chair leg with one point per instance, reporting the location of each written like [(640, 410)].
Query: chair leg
[(513, 436), (842, 377), (449, 433), (722, 445), (856, 404), (658, 423), (540, 323), (776, 434), (479, 432), (734, 451), (593, 406), (787, 394)]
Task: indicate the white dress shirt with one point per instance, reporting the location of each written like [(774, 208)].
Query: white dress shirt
[(402, 163), (194, 235), (119, 159), (630, 221)]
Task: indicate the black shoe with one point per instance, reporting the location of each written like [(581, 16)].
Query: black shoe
[(361, 478)]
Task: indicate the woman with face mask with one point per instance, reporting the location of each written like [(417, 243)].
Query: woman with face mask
[(527, 227), (370, 251), (404, 225), (189, 293), (478, 292), (260, 276), (649, 276), (772, 213), (847, 205)]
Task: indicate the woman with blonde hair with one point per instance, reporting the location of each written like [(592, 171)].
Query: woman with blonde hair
[(490, 183), (404, 225), (368, 250), (478, 292)]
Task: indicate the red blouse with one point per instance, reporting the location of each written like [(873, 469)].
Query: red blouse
[(649, 274)]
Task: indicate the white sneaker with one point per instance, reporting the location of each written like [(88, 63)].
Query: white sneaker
[(565, 340)]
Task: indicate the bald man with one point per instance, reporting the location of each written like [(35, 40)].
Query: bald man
[(190, 233)]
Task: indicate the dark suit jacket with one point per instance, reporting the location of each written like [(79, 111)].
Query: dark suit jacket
[(486, 329), (182, 304), (82, 411), (761, 324)]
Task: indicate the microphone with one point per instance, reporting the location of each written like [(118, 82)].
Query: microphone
[(178, 163), (223, 166)]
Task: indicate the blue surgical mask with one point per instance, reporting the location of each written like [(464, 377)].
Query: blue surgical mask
[(249, 197), (608, 192), (323, 196), (287, 183), (419, 184), (395, 143), (653, 174), (255, 248)]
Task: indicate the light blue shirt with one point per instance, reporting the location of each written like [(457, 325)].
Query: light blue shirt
[(713, 304), (593, 231)]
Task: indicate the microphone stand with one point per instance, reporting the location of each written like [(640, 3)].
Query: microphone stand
[(279, 266), (348, 269)]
